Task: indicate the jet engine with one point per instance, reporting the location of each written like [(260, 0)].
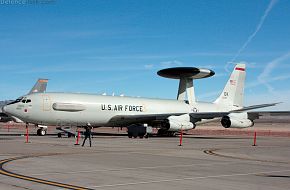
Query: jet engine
[(236, 120), (176, 123)]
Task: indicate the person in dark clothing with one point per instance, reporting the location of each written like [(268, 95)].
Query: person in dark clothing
[(87, 134)]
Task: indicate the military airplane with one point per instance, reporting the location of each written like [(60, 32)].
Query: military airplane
[(169, 116)]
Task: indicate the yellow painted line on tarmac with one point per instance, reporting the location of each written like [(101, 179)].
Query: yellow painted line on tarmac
[(33, 179)]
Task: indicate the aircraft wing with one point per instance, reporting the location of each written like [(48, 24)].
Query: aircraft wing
[(251, 115), (254, 107), (211, 115), (207, 115), (125, 120)]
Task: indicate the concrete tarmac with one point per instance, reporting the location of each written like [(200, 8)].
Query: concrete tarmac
[(117, 162)]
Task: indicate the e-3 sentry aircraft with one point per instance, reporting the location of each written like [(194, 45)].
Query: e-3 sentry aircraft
[(169, 116)]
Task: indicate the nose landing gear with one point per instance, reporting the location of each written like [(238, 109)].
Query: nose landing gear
[(42, 131)]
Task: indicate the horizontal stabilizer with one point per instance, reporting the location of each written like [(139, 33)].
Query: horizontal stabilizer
[(255, 107)]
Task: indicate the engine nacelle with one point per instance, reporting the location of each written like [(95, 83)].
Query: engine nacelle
[(176, 123), (236, 120)]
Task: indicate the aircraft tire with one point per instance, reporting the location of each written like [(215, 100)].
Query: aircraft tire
[(59, 135), (141, 135), (130, 135), (41, 132), (38, 132)]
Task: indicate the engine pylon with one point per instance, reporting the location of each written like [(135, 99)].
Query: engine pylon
[(186, 75)]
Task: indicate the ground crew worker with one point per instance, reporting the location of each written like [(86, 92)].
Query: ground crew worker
[(88, 133)]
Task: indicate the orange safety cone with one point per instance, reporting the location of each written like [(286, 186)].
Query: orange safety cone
[(27, 134), (255, 139), (180, 139), (78, 138)]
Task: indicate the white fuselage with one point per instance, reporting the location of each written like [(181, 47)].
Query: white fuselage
[(79, 109)]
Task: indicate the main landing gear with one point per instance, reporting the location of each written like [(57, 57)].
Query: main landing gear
[(140, 131)]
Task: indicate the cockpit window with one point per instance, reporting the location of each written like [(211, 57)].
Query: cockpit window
[(16, 101), (24, 100), (21, 99)]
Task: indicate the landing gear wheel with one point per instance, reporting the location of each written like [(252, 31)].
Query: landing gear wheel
[(130, 135), (59, 135), (41, 132), (141, 135)]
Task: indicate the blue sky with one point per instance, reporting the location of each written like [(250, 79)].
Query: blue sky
[(118, 46)]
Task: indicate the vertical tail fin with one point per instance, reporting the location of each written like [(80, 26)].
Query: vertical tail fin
[(233, 93), (40, 86)]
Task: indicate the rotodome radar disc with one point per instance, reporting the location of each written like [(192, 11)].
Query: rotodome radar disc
[(185, 72)]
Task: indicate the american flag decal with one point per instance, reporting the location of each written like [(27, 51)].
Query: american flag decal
[(233, 82)]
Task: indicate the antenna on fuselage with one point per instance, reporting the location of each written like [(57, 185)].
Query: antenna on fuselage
[(186, 75)]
